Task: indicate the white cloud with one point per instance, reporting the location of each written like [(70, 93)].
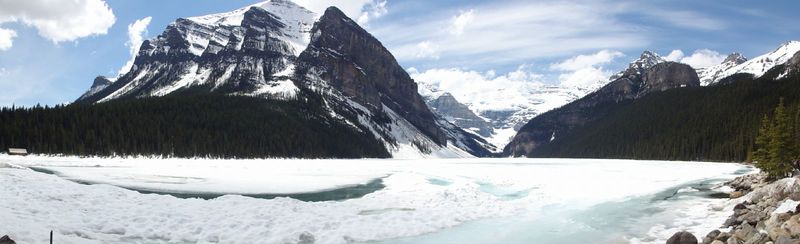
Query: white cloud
[(494, 34), (688, 19), (373, 10), (360, 10), (58, 21), (586, 61), (489, 34), (703, 58), (136, 32), (461, 21), (427, 49), (6, 38), (491, 73), (482, 91), (674, 56), (585, 71)]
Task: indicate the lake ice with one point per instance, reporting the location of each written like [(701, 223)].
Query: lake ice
[(422, 201)]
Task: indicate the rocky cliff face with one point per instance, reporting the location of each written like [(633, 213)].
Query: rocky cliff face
[(356, 64), (452, 110), (660, 77), (630, 84)]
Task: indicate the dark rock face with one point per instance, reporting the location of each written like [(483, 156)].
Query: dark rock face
[(458, 113), (100, 83), (6, 240), (682, 237), (632, 84), (660, 77), (735, 58), (356, 64)]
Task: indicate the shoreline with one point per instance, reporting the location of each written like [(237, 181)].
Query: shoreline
[(765, 212)]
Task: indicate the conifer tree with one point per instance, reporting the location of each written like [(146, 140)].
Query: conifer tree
[(761, 155), (780, 148)]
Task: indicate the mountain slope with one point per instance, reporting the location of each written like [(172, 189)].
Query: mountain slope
[(757, 66), (634, 83), (675, 120), (278, 50), (458, 113), (249, 51), (361, 80), (713, 123), (712, 75)]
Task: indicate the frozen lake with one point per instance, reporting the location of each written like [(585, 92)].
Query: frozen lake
[(395, 201)]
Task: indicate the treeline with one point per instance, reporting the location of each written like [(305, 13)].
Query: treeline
[(198, 125), (777, 146), (716, 123)]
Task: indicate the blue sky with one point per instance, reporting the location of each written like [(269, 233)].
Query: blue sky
[(50, 60)]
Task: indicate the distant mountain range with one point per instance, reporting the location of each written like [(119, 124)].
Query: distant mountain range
[(279, 51), (662, 112), (499, 125)]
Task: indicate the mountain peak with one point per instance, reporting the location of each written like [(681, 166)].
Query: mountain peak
[(735, 58), (101, 81), (369, 75), (647, 54), (790, 43), (282, 8), (334, 11), (645, 61)]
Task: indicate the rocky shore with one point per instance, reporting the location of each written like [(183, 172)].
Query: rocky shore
[(765, 212)]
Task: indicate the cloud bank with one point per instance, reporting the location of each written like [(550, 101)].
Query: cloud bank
[(57, 21)]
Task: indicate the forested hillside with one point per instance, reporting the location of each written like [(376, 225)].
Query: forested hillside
[(188, 125), (716, 123)]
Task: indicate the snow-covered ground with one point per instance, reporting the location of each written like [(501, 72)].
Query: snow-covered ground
[(421, 198)]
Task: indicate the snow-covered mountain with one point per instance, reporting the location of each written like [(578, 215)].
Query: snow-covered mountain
[(497, 113), (711, 75), (644, 76), (280, 50), (250, 50), (646, 60), (737, 64)]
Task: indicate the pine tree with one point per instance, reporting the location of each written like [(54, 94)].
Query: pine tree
[(761, 155), (796, 139), (780, 148)]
